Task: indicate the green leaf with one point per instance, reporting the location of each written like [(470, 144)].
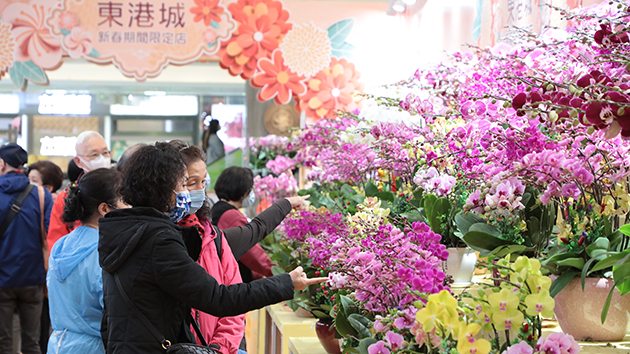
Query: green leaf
[(561, 282), (464, 222), (325, 307), (31, 72), (389, 196), (343, 326), (533, 228), (292, 305), (484, 241), (276, 270), (625, 229), (572, 262), (370, 189), (343, 50), (320, 314), (286, 260), (65, 31), (361, 324), (616, 259), (486, 228), (351, 350), (600, 244), (94, 53), (339, 31), (621, 274), (365, 343), (17, 77), (436, 209), (607, 305), (215, 24), (413, 215), (503, 251), (347, 305)]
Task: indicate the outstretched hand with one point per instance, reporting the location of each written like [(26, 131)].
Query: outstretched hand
[(299, 203), (301, 281)]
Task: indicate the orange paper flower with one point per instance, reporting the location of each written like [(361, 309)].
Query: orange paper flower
[(332, 89), (207, 10), (277, 80), (262, 25)]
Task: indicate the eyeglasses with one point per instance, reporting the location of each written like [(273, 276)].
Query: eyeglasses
[(96, 154)]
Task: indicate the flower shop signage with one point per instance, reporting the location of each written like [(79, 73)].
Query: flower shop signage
[(140, 37)]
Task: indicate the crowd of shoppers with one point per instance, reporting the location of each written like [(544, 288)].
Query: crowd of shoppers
[(134, 250)]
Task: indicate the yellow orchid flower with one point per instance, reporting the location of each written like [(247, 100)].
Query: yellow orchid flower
[(540, 304), (512, 321), (479, 346), (538, 283), (503, 301), (429, 316), (467, 332), (444, 298)]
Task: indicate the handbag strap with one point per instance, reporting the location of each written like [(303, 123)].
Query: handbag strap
[(218, 241), (15, 208), (145, 321)]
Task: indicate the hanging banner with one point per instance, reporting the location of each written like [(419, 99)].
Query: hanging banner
[(141, 37)]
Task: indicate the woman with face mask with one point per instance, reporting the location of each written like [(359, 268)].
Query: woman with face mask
[(235, 190), (151, 279), (74, 281), (228, 331)]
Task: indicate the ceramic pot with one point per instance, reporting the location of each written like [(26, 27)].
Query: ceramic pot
[(460, 265), (579, 312), (326, 335)]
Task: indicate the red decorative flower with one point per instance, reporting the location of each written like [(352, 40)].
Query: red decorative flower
[(332, 89), (277, 80), (262, 25), (207, 10)]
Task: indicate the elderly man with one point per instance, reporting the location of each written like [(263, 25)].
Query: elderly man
[(24, 215), (92, 154)]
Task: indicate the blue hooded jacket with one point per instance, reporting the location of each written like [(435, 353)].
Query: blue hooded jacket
[(75, 293), (21, 256)]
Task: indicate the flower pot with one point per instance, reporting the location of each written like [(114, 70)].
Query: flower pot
[(579, 312), (326, 334), (460, 265)]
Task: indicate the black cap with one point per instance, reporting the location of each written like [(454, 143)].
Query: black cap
[(13, 155)]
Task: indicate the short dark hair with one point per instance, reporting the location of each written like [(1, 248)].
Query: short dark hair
[(151, 174), (234, 183), (51, 173), (127, 154), (98, 186)]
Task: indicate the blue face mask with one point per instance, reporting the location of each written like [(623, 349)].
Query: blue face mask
[(250, 200), (179, 211), (196, 200)]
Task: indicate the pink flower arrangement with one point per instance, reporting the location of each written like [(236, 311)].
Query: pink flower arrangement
[(275, 188), (280, 164), (555, 343)]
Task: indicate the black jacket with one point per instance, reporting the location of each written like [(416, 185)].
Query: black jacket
[(242, 238), (158, 273)]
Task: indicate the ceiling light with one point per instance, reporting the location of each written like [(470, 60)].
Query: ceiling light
[(409, 2), (398, 6)]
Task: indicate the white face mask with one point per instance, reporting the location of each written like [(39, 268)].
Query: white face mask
[(99, 162), (250, 200)]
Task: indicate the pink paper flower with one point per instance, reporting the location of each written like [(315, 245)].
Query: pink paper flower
[(78, 43), (68, 20), (33, 39)]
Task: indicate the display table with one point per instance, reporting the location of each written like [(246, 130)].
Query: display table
[(305, 345), (281, 324)]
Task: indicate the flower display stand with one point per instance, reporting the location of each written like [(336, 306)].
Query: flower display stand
[(280, 325), (305, 345)]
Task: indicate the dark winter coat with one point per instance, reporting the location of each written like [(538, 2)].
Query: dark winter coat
[(155, 260)]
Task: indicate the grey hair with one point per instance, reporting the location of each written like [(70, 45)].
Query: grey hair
[(84, 136)]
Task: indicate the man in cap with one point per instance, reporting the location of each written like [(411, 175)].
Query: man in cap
[(24, 215), (92, 153)]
